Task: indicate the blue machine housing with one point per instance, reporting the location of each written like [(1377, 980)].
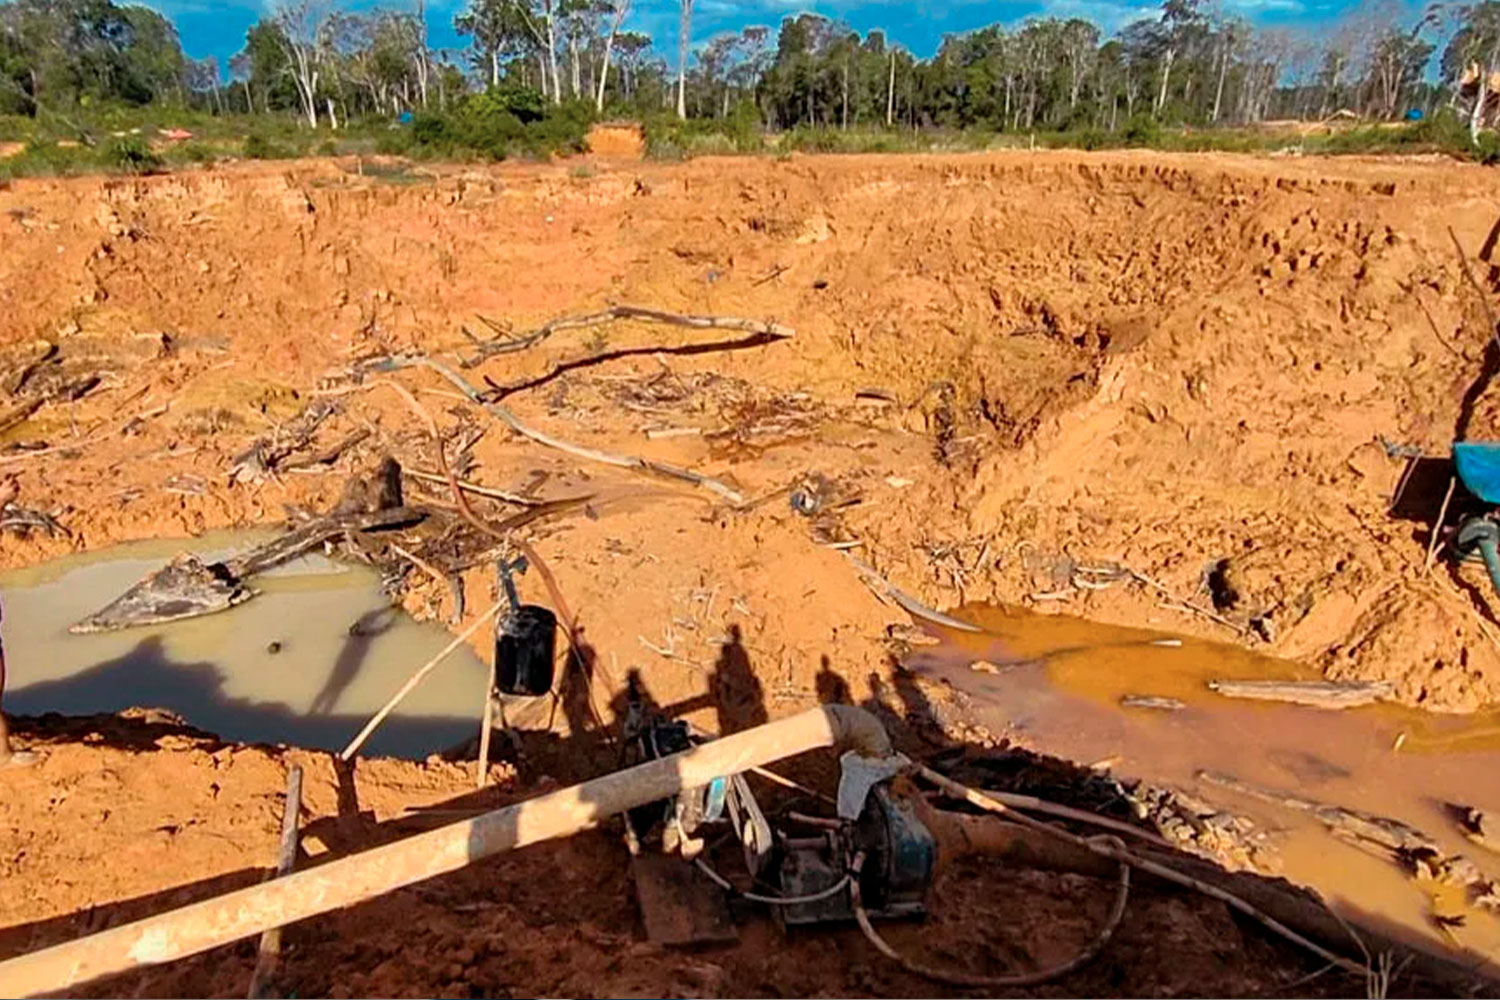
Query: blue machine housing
[(1478, 465)]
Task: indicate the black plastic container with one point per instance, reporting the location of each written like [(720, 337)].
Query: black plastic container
[(525, 647)]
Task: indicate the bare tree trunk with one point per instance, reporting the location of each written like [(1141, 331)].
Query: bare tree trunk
[(621, 6), (333, 121), (573, 70), (844, 122), (1219, 91), (308, 89), (684, 29), (311, 101), (1166, 74), (1330, 90), (1114, 109), (424, 68), (552, 51), (541, 64), (890, 93), (1476, 114)]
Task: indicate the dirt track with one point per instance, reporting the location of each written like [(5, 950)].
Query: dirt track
[(1162, 362)]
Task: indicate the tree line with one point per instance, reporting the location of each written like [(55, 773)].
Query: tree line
[(1187, 63)]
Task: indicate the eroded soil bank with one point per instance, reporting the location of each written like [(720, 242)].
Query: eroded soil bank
[(1008, 370)]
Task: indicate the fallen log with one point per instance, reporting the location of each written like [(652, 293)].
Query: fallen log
[(189, 588), (1315, 694), (1382, 832)]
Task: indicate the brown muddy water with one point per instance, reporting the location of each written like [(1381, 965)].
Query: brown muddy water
[(1054, 683), (305, 663)]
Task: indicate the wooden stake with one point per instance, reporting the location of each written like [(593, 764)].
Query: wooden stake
[(1437, 526), (485, 727), (270, 940)]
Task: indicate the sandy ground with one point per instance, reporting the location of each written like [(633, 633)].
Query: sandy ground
[(1005, 367)]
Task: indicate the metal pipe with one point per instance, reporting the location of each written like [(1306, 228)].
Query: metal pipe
[(1483, 534), (1491, 554), (354, 879)]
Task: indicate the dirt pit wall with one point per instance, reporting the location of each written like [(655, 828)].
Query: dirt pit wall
[(1019, 363), (1012, 376)]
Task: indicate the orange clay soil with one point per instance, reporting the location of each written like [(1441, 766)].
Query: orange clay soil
[(1016, 364)]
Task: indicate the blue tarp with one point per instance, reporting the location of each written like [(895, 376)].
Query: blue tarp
[(1478, 464)]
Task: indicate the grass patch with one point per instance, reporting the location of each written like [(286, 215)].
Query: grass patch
[(512, 122), (131, 154), (499, 124)]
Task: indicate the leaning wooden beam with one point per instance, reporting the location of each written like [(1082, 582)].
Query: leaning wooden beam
[(416, 678), (490, 349), (400, 361), (885, 588), (354, 879), (270, 941)]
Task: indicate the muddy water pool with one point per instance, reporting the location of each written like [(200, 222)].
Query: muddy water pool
[(1056, 682), (305, 663)]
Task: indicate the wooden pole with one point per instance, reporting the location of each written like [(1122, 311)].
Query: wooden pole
[(354, 879), (270, 940), (485, 726), (1437, 526), (415, 679)]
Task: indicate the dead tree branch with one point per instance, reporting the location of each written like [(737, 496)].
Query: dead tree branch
[(398, 362), (498, 391), (1484, 299), (512, 345), (477, 489)]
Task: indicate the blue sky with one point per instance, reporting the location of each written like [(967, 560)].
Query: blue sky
[(217, 27)]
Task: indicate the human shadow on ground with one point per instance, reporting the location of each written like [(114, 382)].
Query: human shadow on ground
[(356, 648), (147, 677), (900, 701), (735, 689)]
